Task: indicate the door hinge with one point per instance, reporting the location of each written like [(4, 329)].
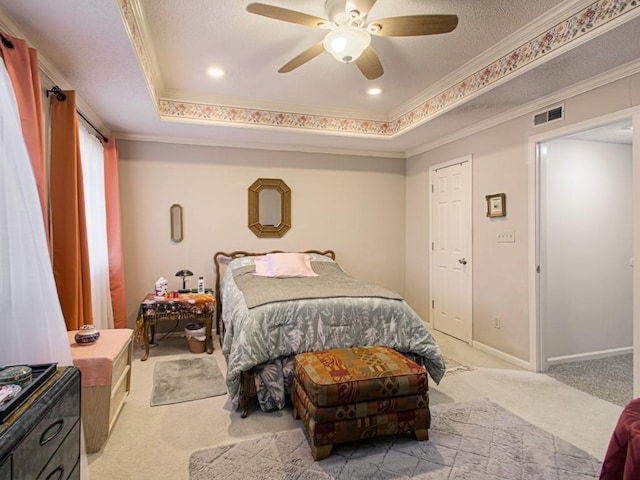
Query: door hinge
[(433, 304), (432, 188), (433, 246), (538, 269)]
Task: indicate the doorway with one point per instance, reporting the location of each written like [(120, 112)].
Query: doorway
[(585, 244), (450, 255)]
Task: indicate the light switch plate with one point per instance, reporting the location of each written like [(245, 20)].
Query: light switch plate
[(506, 236)]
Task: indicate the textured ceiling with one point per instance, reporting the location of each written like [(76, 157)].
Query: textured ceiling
[(140, 68)]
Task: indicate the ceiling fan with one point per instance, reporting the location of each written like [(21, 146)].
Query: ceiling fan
[(349, 37)]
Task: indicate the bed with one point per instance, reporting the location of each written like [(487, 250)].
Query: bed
[(264, 321)]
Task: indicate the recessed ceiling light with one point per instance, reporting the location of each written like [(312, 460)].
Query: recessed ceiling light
[(216, 72), (374, 91)]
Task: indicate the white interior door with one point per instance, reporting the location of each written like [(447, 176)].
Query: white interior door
[(451, 262)]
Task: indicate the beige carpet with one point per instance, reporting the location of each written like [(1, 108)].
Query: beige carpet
[(157, 442), (476, 440), (185, 380)]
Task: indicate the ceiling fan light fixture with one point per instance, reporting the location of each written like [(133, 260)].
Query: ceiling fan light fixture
[(346, 43)]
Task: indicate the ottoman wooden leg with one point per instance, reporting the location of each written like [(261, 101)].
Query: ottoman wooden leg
[(295, 413), (318, 453), (422, 434)]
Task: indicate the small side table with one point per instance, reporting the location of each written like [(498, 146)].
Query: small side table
[(106, 382), (185, 305)]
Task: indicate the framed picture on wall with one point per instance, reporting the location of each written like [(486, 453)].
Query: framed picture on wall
[(496, 205)]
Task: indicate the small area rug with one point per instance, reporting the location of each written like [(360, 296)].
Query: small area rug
[(476, 440), (177, 381)]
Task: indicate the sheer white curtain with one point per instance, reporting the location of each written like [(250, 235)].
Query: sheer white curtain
[(32, 328), (92, 157)]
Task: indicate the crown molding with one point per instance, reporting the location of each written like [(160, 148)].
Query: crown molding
[(611, 76), (137, 30), (518, 38), (571, 24)]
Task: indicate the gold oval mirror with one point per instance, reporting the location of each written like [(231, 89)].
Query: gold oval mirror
[(269, 208), (175, 217)]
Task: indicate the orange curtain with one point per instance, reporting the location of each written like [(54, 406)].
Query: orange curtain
[(114, 232), (68, 225), (22, 65)]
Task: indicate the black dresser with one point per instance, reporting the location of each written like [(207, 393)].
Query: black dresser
[(41, 439)]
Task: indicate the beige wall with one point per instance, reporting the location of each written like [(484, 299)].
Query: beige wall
[(353, 205), (500, 164)]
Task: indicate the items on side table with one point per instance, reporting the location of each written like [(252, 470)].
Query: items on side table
[(175, 306), (356, 393), (106, 382)]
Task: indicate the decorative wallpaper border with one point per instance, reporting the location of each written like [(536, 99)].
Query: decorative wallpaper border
[(582, 23)]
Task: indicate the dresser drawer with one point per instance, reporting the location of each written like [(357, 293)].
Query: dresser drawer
[(120, 363), (118, 394), (64, 460), (35, 450), (5, 469)]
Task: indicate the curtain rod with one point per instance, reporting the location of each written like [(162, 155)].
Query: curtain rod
[(62, 97), (6, 42)]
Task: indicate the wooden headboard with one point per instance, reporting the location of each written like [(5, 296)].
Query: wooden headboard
[(225, 258)]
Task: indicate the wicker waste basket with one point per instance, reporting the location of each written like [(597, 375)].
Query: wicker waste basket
[(196, 334)]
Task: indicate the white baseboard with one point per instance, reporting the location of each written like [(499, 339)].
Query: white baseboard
[(589, 355), (502, 355)]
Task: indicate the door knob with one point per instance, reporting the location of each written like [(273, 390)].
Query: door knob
[(463, 261)]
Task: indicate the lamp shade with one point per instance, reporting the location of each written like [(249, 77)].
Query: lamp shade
[(184, 273), (346, 43)]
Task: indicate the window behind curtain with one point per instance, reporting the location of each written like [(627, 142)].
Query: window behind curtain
[(92, 157)]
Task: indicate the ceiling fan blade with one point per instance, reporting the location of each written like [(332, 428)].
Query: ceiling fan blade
[(303, 58), (413, 25), (369, 64), (285, 15)]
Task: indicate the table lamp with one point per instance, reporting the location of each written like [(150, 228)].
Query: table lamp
[(184, 273)]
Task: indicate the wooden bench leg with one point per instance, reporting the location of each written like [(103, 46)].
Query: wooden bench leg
[(295, 413), (318, 453), (422, 434), (244, 394)]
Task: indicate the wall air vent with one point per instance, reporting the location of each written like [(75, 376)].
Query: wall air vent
[(555, 113)]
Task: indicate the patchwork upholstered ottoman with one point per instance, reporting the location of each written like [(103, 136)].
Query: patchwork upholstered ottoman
[(356, 393)]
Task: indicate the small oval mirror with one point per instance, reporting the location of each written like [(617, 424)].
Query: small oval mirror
[(175, 216)]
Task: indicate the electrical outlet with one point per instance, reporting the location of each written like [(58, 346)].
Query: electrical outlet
[(506, 236), (496, 322)]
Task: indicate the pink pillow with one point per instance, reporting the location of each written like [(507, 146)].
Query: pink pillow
[(281, 265), (262, 267)]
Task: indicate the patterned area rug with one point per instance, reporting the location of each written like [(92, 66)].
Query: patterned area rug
[(468, 441), (177, 381)]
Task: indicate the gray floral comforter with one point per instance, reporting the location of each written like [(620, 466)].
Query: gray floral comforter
[(267, 336)]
